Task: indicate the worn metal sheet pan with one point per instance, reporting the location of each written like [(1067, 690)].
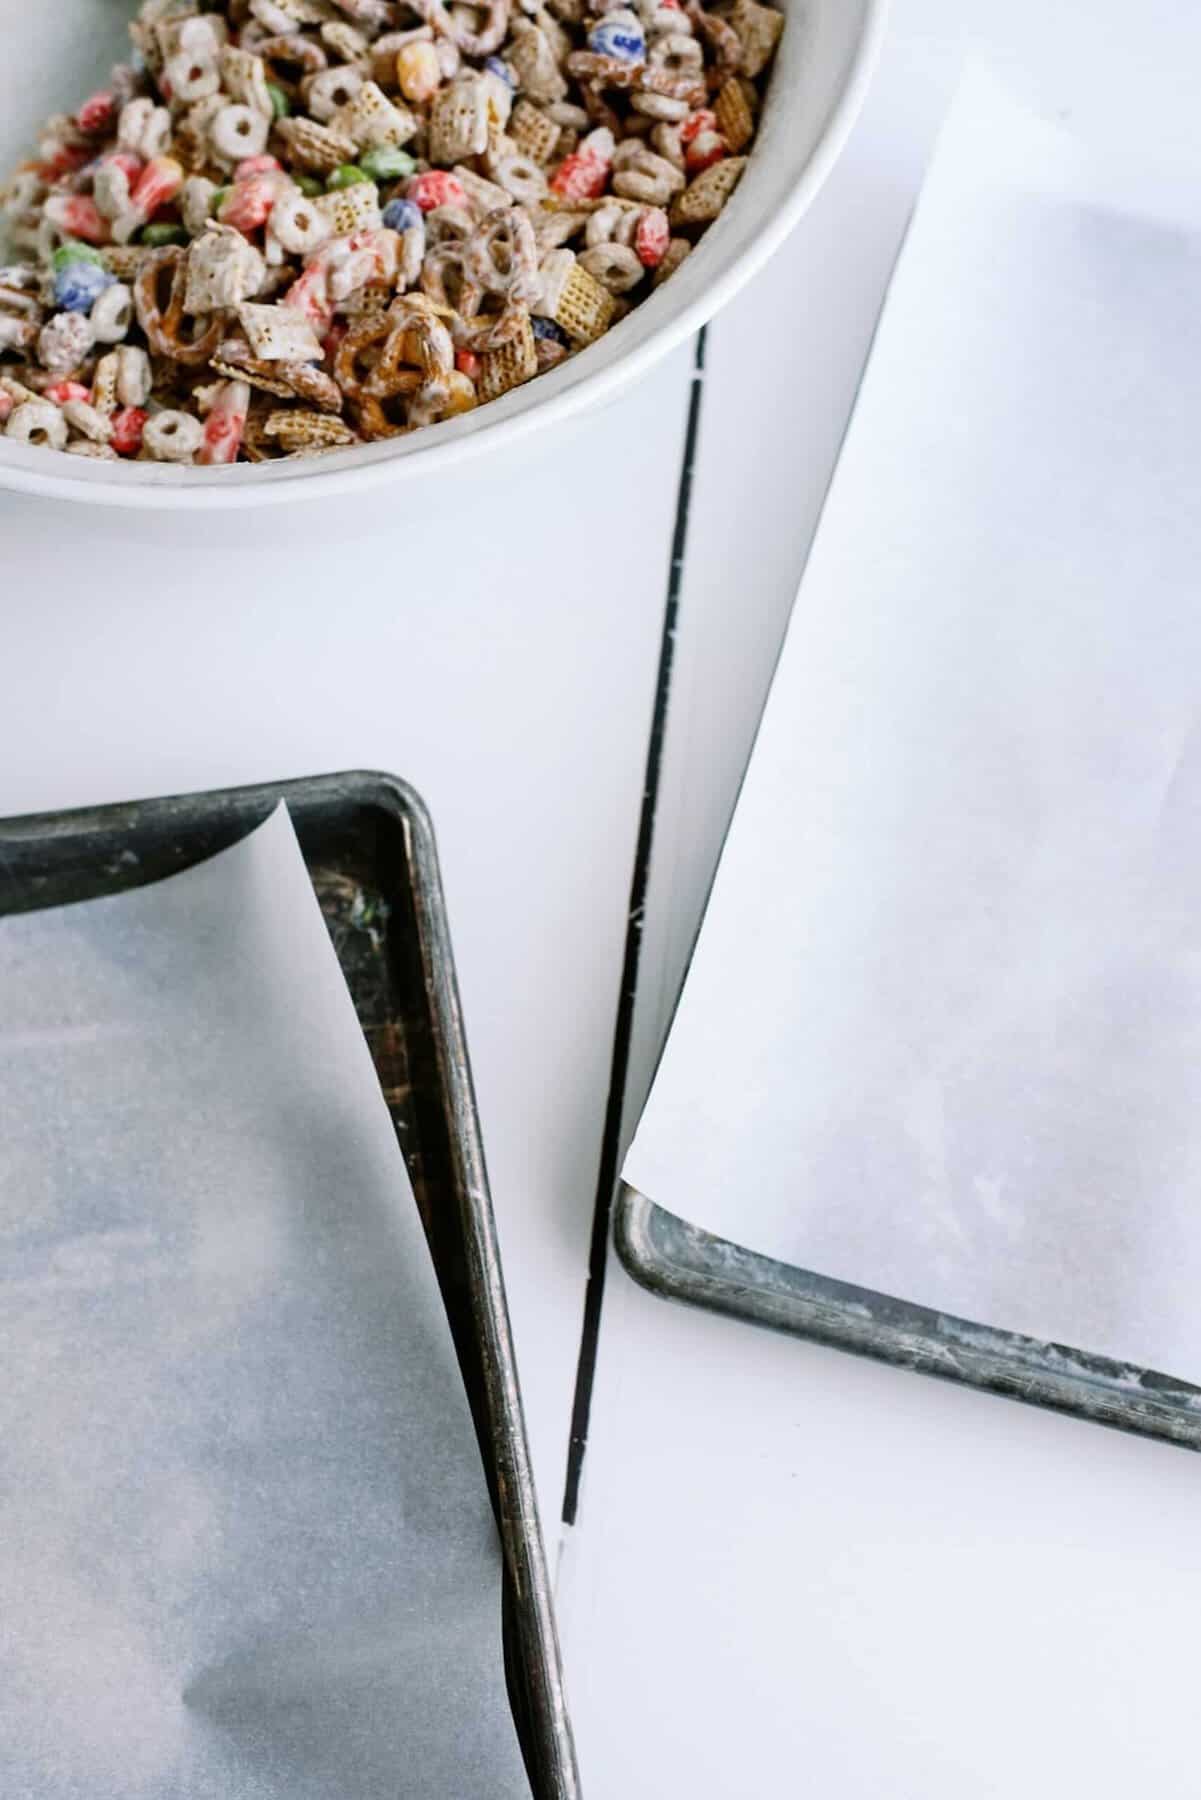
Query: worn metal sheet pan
[(681, 1262), (369, 849)]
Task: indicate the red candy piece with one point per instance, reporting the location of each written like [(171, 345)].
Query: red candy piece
[(97, 114), (128, 426), (331, 343), (652, 235), (222, 436), (706, 148), (248, 203), (78, 216), (580, 177), (6, 406), (159, 182), (131, 165), (467, 363), (309, 294), (65, 160), (436, 188), (702, 120), (62, 391), (257, 165)]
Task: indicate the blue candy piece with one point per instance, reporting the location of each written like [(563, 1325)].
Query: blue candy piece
[(619, 36), (546, 328), (496, 65), (400, 215), (79, 285)]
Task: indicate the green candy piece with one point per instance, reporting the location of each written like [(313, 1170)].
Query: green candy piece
[(310, 185), (388, 163), (158, 235), (75, 252), (347, 175), (220, 196), (281, 106)]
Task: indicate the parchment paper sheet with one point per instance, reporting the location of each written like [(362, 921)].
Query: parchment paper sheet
[(942, 1032), (245, 1545)]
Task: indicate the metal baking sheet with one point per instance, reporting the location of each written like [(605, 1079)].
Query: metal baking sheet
[(681, 1262), (369, 851)]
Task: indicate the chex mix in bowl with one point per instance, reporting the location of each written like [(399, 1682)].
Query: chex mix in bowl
[(286, 226)]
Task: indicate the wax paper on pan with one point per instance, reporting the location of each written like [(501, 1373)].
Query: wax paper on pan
[(245, 1544), (941, 1036)]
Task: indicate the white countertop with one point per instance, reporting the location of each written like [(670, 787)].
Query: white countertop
[(787, 1567)]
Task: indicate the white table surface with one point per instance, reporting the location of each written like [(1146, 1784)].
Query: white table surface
[(789, 1569)]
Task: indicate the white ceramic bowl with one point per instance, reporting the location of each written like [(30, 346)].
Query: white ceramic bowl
[(56, 53)]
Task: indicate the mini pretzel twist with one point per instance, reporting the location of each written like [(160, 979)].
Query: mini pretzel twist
[(488, 331), (502, 256), (448, 224), (406, 352), (446, 279), (290, 59), (163, 319), (722, 39), (593, 70), (471, 43)]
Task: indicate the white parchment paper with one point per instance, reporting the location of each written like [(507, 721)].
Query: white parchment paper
[(942, 1032), (245, 1546)]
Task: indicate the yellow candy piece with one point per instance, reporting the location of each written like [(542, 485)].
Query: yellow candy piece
[(418, 71), (462, 394)]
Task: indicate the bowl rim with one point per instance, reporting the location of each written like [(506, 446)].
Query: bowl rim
[(323, 477)]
